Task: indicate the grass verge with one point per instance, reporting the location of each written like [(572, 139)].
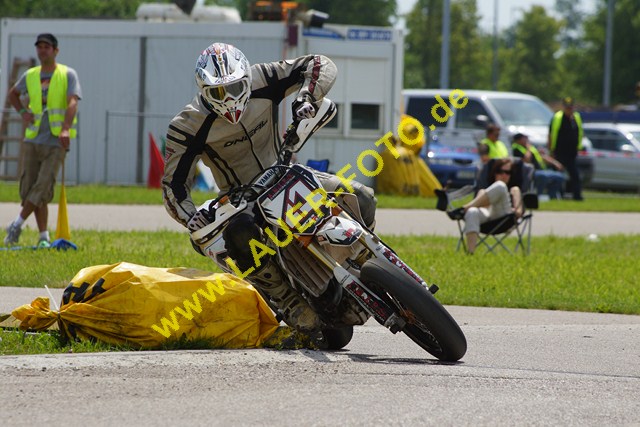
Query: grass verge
[(99, 194), (14, 342), (560, 274)]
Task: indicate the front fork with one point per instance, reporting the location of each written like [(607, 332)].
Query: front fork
[(369, 301)]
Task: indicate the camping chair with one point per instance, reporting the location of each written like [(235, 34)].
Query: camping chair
[(319, 165), (493, 233)]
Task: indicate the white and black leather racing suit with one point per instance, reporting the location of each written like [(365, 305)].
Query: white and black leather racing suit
[(237, 153)]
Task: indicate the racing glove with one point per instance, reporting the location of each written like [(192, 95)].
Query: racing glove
[(200, 219), (303, 108)]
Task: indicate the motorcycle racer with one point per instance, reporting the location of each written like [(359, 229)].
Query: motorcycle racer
[(232, 125)]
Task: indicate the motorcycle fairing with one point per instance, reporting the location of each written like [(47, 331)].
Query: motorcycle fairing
[(339, 232), (293, 201)]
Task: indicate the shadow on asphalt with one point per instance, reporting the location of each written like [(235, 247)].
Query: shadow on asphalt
[(369, 358), (322, 356)]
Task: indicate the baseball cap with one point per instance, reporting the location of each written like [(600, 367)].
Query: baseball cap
[(567, 101), (47, 38)]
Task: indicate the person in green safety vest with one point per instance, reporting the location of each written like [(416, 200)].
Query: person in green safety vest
[(491, 147), (50, 122), (548, 171), (564, 142)]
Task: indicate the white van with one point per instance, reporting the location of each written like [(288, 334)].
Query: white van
[(465, 127)]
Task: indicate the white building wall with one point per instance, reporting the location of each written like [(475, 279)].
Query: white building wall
[(126, 67)]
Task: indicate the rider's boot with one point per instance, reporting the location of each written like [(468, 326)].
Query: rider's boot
[(297, 312)]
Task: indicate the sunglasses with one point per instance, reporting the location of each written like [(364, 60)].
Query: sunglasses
[(505, 171)]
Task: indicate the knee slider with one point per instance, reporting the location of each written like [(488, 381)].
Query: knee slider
[(367, 202)]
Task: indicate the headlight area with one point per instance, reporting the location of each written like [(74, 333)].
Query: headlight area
[(440, 161)]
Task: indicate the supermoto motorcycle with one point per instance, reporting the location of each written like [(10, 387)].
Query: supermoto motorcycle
[(319, 240)]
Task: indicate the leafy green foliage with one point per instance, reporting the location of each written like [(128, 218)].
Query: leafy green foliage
[(469, 50), (423, 43), (572, 18), (539, 54), (625, 68), (469, 66), (355, 12), (530, 66), (69, 9)]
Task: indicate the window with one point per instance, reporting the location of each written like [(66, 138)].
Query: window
[(606, 140), (334, 123), (365, 116), (522, 112), (420, 108), (466, 117)]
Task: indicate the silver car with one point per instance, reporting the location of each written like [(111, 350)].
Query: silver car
[(616, 155)]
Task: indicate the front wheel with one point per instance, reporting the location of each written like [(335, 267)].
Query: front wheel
[(429, 324), (336, 338)]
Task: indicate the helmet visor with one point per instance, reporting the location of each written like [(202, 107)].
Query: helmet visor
[(233, 90)]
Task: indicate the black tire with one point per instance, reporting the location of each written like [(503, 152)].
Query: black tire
[(428, 323), (335, 339)]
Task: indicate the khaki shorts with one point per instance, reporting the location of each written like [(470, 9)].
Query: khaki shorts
[(40, 165)]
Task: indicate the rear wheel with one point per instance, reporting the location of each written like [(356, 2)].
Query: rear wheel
[(428, 323)]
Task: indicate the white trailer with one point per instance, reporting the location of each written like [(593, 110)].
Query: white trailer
[(136, 75)]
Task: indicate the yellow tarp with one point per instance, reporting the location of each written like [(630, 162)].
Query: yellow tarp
[(408, 175), (146, 307)]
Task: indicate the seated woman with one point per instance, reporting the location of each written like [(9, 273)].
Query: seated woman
[(493, 202)]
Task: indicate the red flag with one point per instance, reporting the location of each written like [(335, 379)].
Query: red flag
[(156, 164)]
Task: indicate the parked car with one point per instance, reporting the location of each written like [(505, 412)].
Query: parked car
[(513, 112), (453, 166), (616, 153)]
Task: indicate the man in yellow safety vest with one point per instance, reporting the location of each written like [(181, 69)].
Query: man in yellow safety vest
[(565, 140), (548, 171), (491, 147), (49, 118)]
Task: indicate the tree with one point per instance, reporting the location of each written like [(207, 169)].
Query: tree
[(469, 64), (422, 52), (55, 9), (469, 68), (356, 12), (626, 51), (572, 18), (88, 9), (530, 66)]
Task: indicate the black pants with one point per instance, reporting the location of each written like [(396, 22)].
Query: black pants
[(574, 184)]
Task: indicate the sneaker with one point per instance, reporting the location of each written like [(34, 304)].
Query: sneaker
[(457, 214), (43, 244), (13, 234)]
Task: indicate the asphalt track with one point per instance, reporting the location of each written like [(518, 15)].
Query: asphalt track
[(388, 221), (523, 367)]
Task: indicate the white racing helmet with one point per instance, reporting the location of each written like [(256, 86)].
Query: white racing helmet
[(223, 75)]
